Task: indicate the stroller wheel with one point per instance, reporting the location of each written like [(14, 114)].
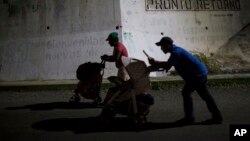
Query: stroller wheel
[(74, 99), (97, 100), (140, 120), (139, 123)]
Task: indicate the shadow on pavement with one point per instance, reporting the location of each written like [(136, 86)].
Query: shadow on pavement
[(94, 124), (55, 105)]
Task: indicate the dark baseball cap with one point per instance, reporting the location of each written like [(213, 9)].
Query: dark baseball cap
[(165, 40), (112, 36)]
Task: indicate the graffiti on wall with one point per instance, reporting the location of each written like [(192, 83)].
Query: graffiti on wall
[(193, 5), (48, 58)]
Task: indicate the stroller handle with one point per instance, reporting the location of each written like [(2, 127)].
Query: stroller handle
[(152, 69), (102, 67), (103, 64)]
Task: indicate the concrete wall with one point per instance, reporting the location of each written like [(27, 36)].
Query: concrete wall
[(48, 39), (196, 25), (235, 54)]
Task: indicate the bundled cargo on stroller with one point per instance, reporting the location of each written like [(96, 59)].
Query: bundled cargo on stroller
[(130, 97), (90, 78)]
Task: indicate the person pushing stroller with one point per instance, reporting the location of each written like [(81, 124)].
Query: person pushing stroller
[(91, 74), (119, 51), (194, 74)]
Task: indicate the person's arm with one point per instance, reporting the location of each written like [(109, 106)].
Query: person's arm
[(156, 65), (116, 55), (112, 58)]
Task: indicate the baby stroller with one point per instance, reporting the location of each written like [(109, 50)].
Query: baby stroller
[(130, 97), (90, 78)]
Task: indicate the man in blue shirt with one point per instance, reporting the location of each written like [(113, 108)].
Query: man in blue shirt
[(194, 74)]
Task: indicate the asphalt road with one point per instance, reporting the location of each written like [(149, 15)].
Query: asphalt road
[(47, 116)]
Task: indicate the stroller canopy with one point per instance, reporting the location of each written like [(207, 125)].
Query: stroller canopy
[(138, 72), (87, 70)]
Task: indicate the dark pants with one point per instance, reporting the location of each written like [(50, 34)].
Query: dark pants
[(200, 85)]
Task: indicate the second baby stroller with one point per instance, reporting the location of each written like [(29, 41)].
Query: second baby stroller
[(130, 97), (90, 78)]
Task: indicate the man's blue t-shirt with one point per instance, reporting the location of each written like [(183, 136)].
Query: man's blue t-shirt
[(187, 65)]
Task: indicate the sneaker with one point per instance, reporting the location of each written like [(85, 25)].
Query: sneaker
[(185, 120)]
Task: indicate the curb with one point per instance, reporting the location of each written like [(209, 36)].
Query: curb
[(157, 83)]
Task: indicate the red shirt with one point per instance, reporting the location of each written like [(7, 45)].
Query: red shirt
[(120, 48)]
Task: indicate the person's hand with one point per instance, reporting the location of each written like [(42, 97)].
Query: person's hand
[(151, 61), (104, 57)]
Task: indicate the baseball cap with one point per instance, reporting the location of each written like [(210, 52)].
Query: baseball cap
[(112, 36), (165, 40)]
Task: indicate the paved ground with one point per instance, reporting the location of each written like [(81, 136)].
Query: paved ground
[(46, 115)]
